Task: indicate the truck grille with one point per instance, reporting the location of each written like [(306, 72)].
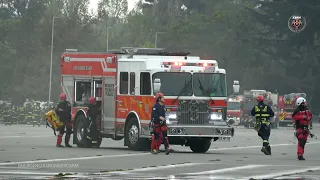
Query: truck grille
[(193, 112)]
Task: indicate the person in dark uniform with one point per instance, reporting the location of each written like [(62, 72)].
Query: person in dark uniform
[(302, 117), (94, 111), (158, 122), (263, 113), (63, 110)]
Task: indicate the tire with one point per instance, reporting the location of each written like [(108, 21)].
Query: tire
[(132, 136), (78, 133), (200, 145)]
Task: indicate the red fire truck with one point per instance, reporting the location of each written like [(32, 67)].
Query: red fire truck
[(124, 84), (235, 101), (287, 106), (234, 109)]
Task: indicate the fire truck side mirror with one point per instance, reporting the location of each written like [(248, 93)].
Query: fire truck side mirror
[(156, 85)]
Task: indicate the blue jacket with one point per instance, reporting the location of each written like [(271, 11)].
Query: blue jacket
[(267, 111), (157, 111)]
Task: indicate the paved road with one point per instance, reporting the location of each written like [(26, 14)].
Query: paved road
[(27, 152)]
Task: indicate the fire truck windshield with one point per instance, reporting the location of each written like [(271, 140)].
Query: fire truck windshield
[(250, 104), (209, 84), (172, 83), (234, 105)]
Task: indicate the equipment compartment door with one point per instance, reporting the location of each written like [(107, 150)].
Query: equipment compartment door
[(109, 107)]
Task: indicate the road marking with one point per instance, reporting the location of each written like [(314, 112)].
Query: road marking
[(28, 173), (226, 170), (283, 173), (156, 168), (250, 147), (138, 154), (75, 159), (4, 137)]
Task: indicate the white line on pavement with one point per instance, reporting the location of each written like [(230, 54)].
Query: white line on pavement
[(74, 159), (226, 170), (28, 173), (283, 173), (138, 154), (158, 168), (4, 137)]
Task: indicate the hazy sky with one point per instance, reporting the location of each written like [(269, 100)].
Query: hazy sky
[(94, 4)]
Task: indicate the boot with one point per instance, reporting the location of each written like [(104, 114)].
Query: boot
[(269, 149), (167, 151), (265, 151), (154, 151), (59, 140), (301, 158), (66, 141)]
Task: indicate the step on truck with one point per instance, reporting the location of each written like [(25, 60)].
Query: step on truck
[(124, 84)]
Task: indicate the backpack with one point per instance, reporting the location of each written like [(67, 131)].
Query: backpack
[(52, 120)]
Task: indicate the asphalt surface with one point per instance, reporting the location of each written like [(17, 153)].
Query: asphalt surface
[(28, 152)]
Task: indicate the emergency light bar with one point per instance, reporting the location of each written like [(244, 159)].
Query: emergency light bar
[(177, 63)]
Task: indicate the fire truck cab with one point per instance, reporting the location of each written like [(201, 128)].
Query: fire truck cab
[(124, 84), (287, 106)]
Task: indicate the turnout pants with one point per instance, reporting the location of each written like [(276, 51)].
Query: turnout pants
[(264, 131), (302, 136), (159, 136), (68, 127), (92, 133)]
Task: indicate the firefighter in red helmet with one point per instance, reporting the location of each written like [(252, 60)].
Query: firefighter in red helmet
[(158, 124), (63, 110), (91, 132), (263, 113)]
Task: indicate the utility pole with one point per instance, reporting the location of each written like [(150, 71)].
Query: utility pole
[(50, 81), (108, 38)]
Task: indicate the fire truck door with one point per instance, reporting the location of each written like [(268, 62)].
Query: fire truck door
[(109, 107)]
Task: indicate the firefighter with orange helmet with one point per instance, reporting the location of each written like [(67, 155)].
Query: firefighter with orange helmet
[(63, 110), (158, 123), (263, 113)]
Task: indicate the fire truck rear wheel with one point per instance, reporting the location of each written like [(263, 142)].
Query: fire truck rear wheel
[(132, 136), (200, 145)]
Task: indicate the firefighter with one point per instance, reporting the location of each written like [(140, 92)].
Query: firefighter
[(92, 131), (63, 110), (158, 122), (302, 118), (263, 113)]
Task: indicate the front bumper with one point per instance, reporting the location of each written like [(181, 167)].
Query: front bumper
[(200, 131)]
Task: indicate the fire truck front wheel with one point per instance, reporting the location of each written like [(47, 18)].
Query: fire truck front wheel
[(201, 145), (79, 132), (132, 136)]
